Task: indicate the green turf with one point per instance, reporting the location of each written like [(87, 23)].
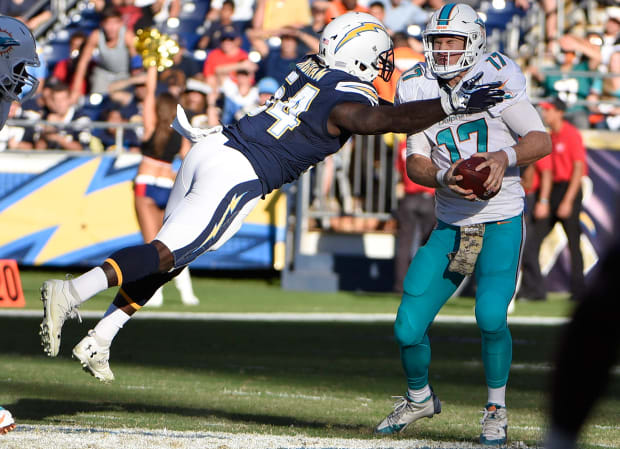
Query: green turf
[(320, 379), (265, 295)]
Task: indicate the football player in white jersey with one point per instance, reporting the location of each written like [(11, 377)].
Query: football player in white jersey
[(17, 51), (472, 236)]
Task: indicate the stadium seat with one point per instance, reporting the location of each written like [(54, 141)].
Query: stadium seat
[(55, 51), (187, 31), (194, 9)]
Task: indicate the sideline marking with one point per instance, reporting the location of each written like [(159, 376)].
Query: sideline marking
[(291, 317), (160, 438)]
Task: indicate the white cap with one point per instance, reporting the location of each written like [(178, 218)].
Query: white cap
[(613, 12)]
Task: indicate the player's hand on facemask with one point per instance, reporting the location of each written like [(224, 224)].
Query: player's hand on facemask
[(497, 161), (469, 97)]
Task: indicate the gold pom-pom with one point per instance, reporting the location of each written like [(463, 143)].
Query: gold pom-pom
[(155, 48)]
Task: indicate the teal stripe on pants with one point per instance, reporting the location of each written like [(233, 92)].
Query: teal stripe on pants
[(429, 284)]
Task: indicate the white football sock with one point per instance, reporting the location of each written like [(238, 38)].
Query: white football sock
[(113, 320), (183, 283), (90, 283), (497, 396), (419, 395)]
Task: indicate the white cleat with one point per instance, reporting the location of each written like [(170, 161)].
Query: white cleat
[(60, 302), (494, 425), (7, 423), (406, 412), (94, 358)]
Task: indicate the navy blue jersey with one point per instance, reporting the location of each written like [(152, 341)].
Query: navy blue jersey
[(289, 134)]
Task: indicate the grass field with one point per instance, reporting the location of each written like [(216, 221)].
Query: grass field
[(316, 379)]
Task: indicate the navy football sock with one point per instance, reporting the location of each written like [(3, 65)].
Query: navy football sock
[(134, 262), (137, 293)]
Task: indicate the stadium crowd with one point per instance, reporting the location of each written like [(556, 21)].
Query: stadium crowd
[(234, 59)]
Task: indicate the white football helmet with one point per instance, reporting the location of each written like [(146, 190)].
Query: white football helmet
[(357, 43), (17, 51), (454, 20)]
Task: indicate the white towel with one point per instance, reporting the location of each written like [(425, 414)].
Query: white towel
[(182, 126)]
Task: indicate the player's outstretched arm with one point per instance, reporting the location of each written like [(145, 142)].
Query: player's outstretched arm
[(413, 117), (409, 118)]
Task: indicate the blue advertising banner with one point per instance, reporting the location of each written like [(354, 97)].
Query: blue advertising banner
[(59, 209)]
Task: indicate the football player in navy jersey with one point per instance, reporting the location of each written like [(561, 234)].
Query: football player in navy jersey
[(323, 101)]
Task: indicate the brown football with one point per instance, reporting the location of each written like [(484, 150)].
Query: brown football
[(473, 179)]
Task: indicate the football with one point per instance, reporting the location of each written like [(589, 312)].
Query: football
[(473, 179)]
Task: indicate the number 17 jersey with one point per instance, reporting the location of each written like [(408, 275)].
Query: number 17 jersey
[(462, 136), (289, 135)]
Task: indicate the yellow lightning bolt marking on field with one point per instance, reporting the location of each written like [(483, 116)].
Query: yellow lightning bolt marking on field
[(82, 220), (366, 26), (231, 207)]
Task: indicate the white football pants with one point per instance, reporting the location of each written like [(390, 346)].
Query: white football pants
[(215, 189)]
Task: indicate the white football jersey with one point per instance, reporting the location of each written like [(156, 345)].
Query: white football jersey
[(462, 136)]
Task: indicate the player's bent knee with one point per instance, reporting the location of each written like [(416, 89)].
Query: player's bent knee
[(407, 330), (491, 321), (133, 263)]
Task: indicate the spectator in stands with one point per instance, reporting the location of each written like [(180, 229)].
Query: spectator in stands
[(194, 101), (213, 32), (107, 136), (184, 60), (267, 88), (237, 105), (415, 217), (568, 87), (242, 15), (11, 136), (568, 160), (273, 15), (19, 8), (174, 81), (238, 97), (399, 14), (129, 92), (276, 61), (65, 69), (225, 61), (130, 12), (377, 9), (537, 181), (115, 46), (339, 7), (314, 30), (60, 109), (153, 184), (157, 12)]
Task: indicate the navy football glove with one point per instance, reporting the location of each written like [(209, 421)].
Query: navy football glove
[(469, 97)]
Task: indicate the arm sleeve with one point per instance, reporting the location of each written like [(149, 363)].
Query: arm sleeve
[(522, 118), (357, 92), (418, 144)]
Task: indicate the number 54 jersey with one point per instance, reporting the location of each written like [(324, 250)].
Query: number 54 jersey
[(461, 136), (289, 134)]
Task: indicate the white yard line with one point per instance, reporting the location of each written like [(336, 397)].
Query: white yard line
[(289, 317), (68, 437)]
